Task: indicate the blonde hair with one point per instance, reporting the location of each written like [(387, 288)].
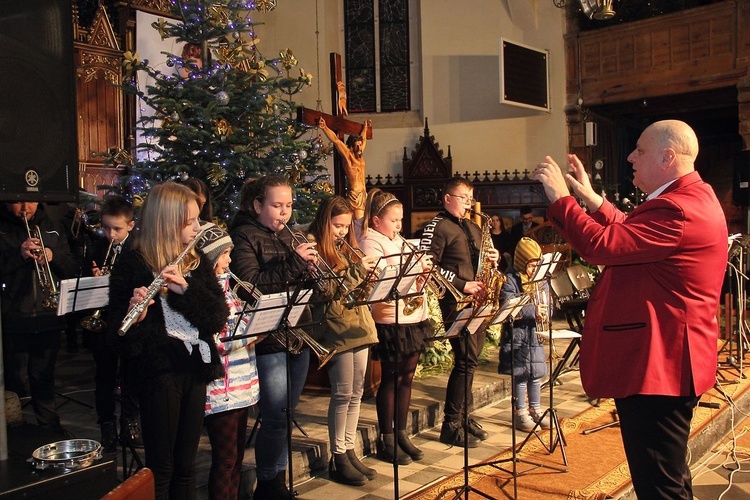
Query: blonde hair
[(377, 202), (163, 216)]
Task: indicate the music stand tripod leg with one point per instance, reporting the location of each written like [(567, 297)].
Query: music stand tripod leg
[(466, 487), (514, 459)]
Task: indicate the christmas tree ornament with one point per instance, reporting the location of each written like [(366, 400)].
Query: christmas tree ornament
[(222, 98), (265, 5), (222, 128)]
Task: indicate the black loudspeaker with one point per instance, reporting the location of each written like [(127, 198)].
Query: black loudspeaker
[(741, 179), (38, 144)]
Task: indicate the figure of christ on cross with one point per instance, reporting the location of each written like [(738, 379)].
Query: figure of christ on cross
[(353, 163)]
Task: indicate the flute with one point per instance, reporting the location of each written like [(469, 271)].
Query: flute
[(154, 288)]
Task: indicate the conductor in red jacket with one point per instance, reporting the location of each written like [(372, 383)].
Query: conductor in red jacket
[(650, 338)]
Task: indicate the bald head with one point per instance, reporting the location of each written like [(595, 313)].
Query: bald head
[(666, 150), (678, 136)]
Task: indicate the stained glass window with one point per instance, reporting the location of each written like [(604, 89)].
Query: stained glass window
[(377, 55)]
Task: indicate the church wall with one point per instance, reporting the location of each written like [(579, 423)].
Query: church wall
[(460, 79)]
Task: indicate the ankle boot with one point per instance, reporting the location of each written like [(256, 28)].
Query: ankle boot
[(369, 473), (536, 416), (523, 420), (341, 470), (109, 436), (407, 446), (387, 449), (272, 489)]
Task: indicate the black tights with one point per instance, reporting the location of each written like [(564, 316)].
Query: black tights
[(385, 401)]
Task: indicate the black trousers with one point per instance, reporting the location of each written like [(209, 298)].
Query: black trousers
[(107, 361), (172, 421), (655, 432), (462, 368), (31, 357)]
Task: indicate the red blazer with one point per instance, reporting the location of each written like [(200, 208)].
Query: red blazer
[(651, 322)]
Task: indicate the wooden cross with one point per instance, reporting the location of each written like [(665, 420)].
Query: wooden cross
[(336, 122)]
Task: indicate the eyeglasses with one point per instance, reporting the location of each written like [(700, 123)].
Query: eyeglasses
[(528, 218), (463, 197)]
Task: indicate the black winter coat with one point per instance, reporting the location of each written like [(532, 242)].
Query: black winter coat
[(264, 258), (529, 360), (21, 295), (150, 352)]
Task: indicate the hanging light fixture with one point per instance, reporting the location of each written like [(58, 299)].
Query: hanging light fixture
[(601, 10)]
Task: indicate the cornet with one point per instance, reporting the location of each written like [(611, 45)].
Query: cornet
[(361, 292), (94, 322), (43, 272), (437, 284), (297, 336), (322, 273)]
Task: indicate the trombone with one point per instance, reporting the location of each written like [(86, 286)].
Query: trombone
[(43, 271), (94, 322), (297, 336)]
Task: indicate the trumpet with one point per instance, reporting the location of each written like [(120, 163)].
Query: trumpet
[(321, 272), (297, 336), (436, 284), (154, 288), (43, 271), (94, 322)]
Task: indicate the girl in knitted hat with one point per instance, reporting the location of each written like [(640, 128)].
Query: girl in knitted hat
[(519, 339), (228, 398)]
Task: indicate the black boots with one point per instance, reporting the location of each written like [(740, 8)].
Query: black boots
[(273, 489), (452, 433), (476, 430), (341, 470), (369, 473), (109, 436), (387, 449), (405, 444)]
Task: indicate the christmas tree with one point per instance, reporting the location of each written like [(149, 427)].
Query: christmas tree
[(223, 113)]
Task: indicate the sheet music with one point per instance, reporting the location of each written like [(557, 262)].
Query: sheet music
[(389, 273), (92, 293), (510, 307), (267, 313), (272, 308), (301, 301), (384, 283), (467, 318), (548, 265)]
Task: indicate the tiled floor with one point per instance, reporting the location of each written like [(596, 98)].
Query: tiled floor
[(75, 372)]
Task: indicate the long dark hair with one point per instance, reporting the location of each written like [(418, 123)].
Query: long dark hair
[(320, 228)]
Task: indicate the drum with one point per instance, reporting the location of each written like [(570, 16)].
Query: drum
[(66, 456)]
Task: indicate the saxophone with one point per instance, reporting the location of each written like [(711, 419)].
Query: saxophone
[(487, 271)]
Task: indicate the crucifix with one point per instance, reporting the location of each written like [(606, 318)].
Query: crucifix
[(349, 160)]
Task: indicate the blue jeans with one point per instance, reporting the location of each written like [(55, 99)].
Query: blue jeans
[(534, 386), (271, 444)]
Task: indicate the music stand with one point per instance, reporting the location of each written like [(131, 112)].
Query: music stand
[(393, 282), (468, 322), (737, 280), (543, 274), (80, 294), (507, 312), (277, 313)]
